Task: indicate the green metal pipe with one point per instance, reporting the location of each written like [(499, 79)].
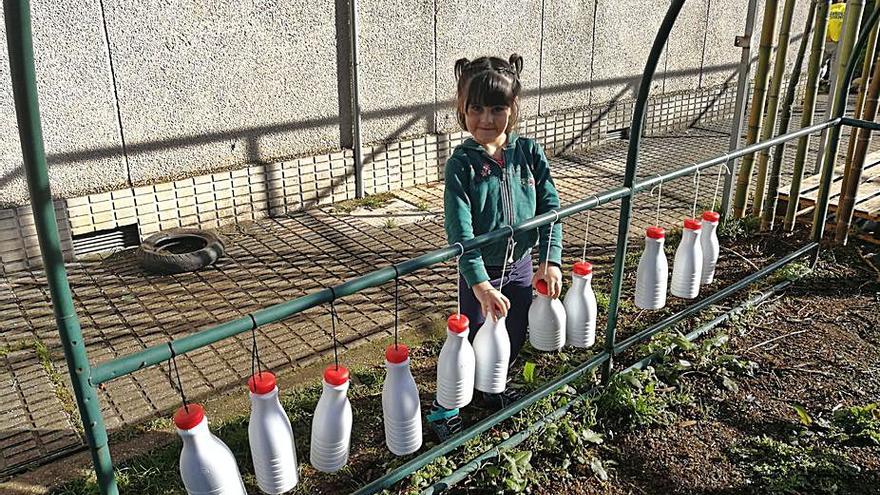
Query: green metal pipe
[(769, 125), (769, 213), (755, 112), (850, 28), (459, 439), (19, 41), (817, 47), (860, 123), (124, 365), (476, 463), (632, 157), (712, 299)]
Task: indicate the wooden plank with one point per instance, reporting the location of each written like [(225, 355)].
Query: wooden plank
[(811, 183)]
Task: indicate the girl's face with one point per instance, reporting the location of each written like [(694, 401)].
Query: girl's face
[(487, 124)]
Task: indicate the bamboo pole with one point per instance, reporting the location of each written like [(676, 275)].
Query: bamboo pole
[(817, 47), (769, 125), (845, 48), (850, 189), (784, 117), (745, 171)]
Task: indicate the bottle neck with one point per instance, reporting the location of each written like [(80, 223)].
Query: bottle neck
[(196, 435), (262, 401)]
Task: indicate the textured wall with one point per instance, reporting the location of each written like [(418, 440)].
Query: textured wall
[(197, 87)]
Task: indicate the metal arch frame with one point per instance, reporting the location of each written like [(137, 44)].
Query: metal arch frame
[(85, 377)]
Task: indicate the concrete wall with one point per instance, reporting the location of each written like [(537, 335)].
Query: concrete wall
[(147, 91)]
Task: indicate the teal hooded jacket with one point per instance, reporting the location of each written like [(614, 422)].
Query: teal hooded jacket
[(480, 197)]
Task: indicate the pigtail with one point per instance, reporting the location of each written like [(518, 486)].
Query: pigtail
[(460, 65), (516, 63)]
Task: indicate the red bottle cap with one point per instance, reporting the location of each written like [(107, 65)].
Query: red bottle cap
[(262, 382), (692, 224), (397, 354), (583, 268), (336, 376), (458, 323), (541, 285), (187, 418), (655, 232), (711, 216)]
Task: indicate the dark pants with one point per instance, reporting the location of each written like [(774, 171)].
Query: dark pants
[(517, 287)]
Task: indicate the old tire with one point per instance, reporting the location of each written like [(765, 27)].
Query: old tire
[(179, 250)]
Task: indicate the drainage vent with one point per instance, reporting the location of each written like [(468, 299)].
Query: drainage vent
[(121, 237), (615, 134)]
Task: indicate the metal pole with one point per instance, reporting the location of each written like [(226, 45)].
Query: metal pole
[(744, 175), (21, 64), (817, 46), (769, 215), (769, 125), (742, 94), (356, 103), (849, 57), (635, 139)]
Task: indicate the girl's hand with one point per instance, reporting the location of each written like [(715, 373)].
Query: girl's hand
[(552, 275), (492, 301)]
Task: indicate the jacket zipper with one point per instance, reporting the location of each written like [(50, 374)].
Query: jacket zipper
[(507, 200)]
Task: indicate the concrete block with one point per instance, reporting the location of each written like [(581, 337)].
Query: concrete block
[(78, 110), (206, 86), (685, 48), (567, 55), (468, 28), (396, 68), (623, 36)]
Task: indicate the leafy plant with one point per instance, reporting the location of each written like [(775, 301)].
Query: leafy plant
[(738, 228), (777, 467), (511, 471), (859, 422), (639, 398)]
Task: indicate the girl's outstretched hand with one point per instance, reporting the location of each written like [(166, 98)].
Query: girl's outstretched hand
[(492, 301), (552, 275)]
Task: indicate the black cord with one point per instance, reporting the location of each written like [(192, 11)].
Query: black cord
[(333, 326), (177, 372), (255, 352), (396, 301)]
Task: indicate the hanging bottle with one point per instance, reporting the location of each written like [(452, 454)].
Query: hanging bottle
[(688, 266), (455, 366), (331, 424), (546, 320), (401, 410), (653, 271), (710, 247), (271, 437), (580, 307), (492, 355), (207, 466)]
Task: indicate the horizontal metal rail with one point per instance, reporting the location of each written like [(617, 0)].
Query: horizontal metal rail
[(863, 124), (122, 366)]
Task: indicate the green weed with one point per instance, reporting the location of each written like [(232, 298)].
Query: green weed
[(790, 272), (371, 202), (639, 398), (777, 467), (860, 423), (738, 228)]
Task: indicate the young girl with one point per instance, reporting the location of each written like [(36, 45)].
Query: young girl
[(495, 179)]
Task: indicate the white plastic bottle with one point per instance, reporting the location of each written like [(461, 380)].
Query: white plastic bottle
[(711, 249), (401, 411), (331, 424), (492, 354), (688, 266), (546, 320), (653, 272), (455, 366), (580, 308), (207, 466), (271, 437)]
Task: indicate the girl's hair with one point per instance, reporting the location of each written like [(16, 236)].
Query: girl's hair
[(488, 81)]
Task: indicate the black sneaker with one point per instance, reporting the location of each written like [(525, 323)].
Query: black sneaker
[(444, 422), (500, 401)]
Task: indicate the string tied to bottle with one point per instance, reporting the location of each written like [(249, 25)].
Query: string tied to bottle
[(457, 270), (396, 301), (718, 184), (659, 188), (333, 317), (256, 364), (508, 251), (550, 239), (587, 230), (173, 362), (696, 193)]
